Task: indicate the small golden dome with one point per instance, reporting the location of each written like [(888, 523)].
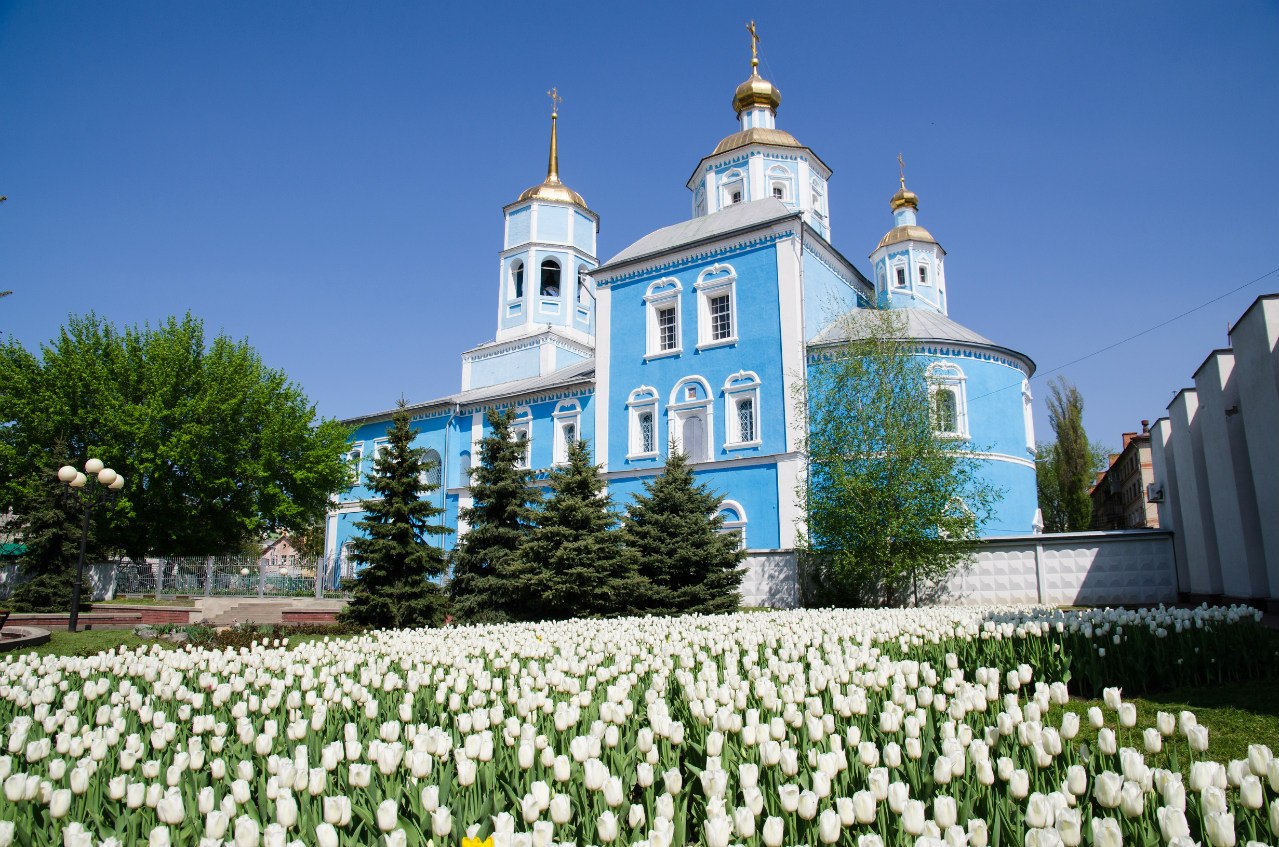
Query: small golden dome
[(554, 191), (756, 91), (904, 198)]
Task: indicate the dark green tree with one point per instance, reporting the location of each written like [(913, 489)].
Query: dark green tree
[(50, 523), (574, 561), (890, 502), (1064, 470), (498, 522), (674, 529), (396, 586), (216, 447)]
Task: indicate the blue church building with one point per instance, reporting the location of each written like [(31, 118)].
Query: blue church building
[(696, 336)]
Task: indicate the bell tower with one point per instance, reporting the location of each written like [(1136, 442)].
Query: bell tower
[(909, 264)]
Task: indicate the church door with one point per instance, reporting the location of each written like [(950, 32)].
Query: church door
[(694, 437)]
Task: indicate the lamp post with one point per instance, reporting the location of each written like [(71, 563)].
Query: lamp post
[(106, 484)]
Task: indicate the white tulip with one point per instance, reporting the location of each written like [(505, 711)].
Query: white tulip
[(606, 827), (158, 837), (442, 822), (1219, 827), (247, 832), (326, 835), (774, 831), (561, 809)]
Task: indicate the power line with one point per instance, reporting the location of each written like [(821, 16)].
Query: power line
[(1137, 335)]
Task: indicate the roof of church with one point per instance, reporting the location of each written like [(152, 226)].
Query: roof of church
[(703, 228), (578, 372), (921, 325)]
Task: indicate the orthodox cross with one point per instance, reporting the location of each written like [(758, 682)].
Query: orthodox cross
[(750, 27), (556, 100), (901, 169)]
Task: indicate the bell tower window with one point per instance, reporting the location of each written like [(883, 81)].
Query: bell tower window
[(923, 274), (517, 279), (901, 277), (550, 278)]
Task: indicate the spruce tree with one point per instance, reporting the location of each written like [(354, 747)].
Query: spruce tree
[(498, 523), (395, 588), (50, 526), (673, 527), (574, 562)]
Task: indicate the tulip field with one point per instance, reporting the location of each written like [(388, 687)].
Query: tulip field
[(939, 727)]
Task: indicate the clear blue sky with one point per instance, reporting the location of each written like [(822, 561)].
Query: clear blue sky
[(326, 179)]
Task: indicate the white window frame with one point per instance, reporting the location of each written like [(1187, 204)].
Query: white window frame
[(517, 295), (642, 400), (819, 198), (357, 453), (736, 527), (1028, 412), (732, 181), (922, 276), (681, 406), (663, 293), (743, 385), (900, 275), (425, 476), (779, 176), (947, 376), (523, 426), (715, 281), (567, 412), (379, 444)]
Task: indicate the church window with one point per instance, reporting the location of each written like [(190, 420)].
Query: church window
[(464, 467), (355, 458), (517, 279), (522, 433), (667, 336), (779, 191), (689, 417), (550, 278), (819, 199), (779, 179), (737, 196), (583, 288), (568, 416), (948, 399), (741, 401), (923, 274), (901, 277), (732, 521), (642, 407), (430, 476), (732, 187), (717, 315), (662, 305)]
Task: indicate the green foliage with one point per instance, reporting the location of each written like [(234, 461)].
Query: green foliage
[(50, 523), (499, 520), (673, 528), (393, 589), (889, 502), (574, 561), (1064, 470), (215, 447)]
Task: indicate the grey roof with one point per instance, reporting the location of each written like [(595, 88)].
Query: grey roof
[(704, 228), (580, 372), (922, 324)]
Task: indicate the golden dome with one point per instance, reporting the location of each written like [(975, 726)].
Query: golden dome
[(908, 232), (904, 198), (757, 135), (551, 188), (756, 91)]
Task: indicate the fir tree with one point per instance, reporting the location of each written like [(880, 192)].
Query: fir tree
[(574, 562), (674, 529), (394, 589), (50, 526), (498, 523)]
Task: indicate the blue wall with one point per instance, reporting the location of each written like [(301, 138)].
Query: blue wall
[(826, 296)]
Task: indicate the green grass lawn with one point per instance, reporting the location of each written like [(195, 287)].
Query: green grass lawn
[(84, 643), (1236, 714), (147, 601)]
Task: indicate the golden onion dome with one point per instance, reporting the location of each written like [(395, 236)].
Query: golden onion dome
[(907, 232), (756, 91), (757, 135), (904, 198)]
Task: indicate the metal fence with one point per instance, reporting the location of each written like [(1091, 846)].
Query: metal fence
[(234, 576)]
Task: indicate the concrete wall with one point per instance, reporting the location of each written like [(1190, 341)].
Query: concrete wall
[(1128, 567), (1217, 458)]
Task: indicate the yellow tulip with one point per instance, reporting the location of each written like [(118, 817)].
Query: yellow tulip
[(475, 842)]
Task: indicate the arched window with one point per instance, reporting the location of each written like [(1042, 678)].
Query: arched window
[(431, 475), (732, 188), (947, 399), (741, 402), (550, 278), (583, 288), (716, 306), (732, 519), (522, 432), (464, 467), (779, 180), (355, 459), (689, 418), (568, 420), (819, 199), (517, 279), (642, 405), (662, 303)]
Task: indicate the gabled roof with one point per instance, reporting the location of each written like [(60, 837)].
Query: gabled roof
[(739, 216), (574, 374)]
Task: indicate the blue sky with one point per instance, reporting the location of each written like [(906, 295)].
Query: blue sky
[(326, 179)]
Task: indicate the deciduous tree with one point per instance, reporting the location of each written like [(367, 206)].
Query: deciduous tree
[(888, 501)]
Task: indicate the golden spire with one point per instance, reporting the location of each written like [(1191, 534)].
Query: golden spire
[(755, 91), (904, 197), (552, 188), (553, 165)]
